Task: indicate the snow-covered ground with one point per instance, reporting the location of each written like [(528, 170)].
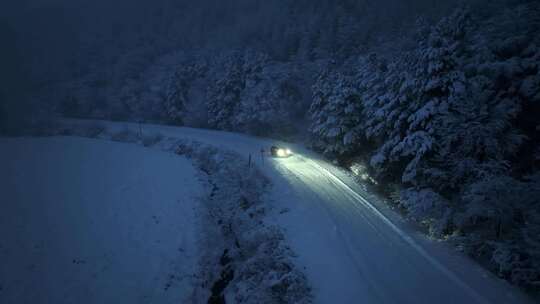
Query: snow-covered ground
[(351, 248), (91, 221)]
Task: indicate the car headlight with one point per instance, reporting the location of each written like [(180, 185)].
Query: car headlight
[(288, 151), (281, 152)]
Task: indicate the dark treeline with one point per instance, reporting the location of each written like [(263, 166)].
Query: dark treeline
[(437, 101), (450, 126)]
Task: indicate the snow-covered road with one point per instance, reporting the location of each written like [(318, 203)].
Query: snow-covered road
[(352, 248), (380, 259)]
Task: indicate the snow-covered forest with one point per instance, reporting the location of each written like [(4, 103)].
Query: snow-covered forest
[(438, 103)]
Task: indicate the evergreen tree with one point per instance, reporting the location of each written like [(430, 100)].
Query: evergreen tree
[(178, 90), (268, 101), (335, 114), (420, 87), (224, 94)]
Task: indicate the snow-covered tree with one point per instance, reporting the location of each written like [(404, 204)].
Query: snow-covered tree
[(503, 214), (269, 101), (335, 114), (223, 96), (178, 90), (240, 95), (420, 85), (428, 207)]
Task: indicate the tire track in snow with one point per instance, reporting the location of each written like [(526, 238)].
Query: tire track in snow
[(358, 265), (404, 236)]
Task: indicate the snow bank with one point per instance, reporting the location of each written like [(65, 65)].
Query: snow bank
[(254, 261)]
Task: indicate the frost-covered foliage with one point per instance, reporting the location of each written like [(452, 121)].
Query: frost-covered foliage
[(250, 93), (228, 90), (334, 114), (420, 85), (428, 207), (252, 262), (270, 102), (147, 67), (244, 258), (453, 119), (224, 95), (178, 90), (135, 89), (502, 217)]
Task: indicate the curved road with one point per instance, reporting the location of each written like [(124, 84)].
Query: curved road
[(352, 248), (388, 262)]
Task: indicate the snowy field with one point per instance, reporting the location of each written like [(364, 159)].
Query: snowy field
[(347, 244), (91, 221)]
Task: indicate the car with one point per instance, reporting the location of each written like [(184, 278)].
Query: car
[(280, 152)]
